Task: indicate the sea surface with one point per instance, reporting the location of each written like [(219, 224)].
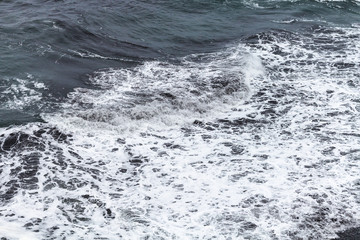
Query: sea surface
[(191, 119)]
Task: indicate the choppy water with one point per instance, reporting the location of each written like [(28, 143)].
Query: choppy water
[(179, 119)]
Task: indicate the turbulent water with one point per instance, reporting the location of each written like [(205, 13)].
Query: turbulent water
[(195, 119)]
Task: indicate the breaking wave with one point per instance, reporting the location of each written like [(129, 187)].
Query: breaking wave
[(258, 141)]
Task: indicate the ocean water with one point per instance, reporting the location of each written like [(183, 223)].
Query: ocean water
[(193, 119)]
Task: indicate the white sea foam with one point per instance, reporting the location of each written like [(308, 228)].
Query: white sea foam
[(14, 230), (164, 151), (256, 4), (88, 54), (20, 93), (165, 91)]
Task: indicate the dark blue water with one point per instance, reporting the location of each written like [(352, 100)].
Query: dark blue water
[(179, 119)]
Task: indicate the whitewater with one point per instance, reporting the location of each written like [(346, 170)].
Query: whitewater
[(257, 139)]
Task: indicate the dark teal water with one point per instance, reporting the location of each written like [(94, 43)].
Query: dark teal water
[(59, 43), (179, 119)]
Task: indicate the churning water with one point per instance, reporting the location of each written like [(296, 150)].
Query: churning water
[(179, 119)]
